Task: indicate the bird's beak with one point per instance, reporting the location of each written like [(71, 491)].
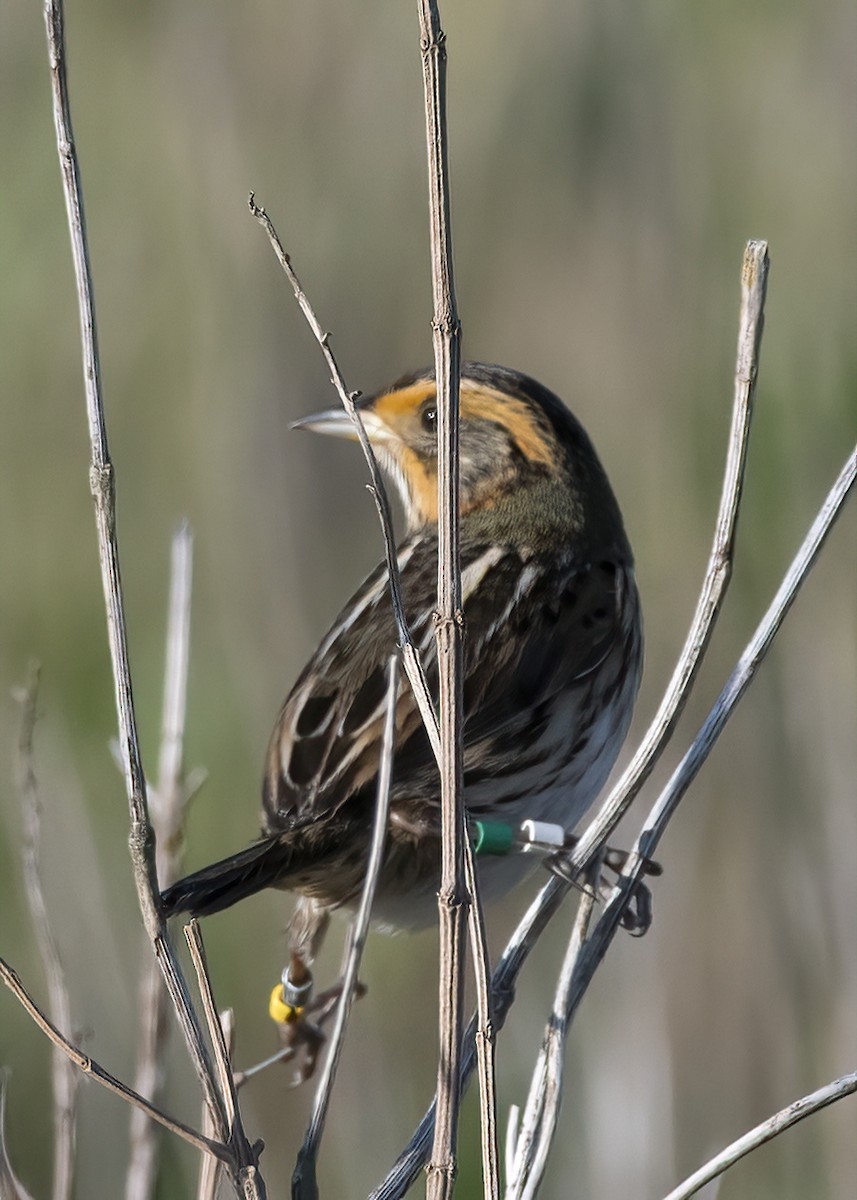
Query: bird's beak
[(337, 423)]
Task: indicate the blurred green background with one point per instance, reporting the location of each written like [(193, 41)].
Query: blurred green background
[(609, 162)]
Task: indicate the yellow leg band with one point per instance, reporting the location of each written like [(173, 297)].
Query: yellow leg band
[(282, 1013)]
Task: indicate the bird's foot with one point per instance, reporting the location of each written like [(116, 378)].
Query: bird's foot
[(301, 1024), (637, 914)]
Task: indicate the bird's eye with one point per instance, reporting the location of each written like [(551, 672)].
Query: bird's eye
[(429, 418)]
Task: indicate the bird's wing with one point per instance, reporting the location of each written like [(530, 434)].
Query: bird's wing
[(532, 628), (326, 741)]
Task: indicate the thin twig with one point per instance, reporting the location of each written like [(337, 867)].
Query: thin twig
[(348, 400), (284, 1054), (739, 680), (749, 662), (168, 804), (452, 896), (64, 1078), (754, 282), (541, 1111), (377, 488), (645, 846), (485, 1033), (248, 1181), (210, 1169), (304, 1185), (413, 669), (534, 922), (532, 925), (169, 800), (92, 1069), (11, 1187), (484, 1028), (540, 1117), (769, 1129), (102, 484)]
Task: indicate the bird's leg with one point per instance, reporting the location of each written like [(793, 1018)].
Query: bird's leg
[(321, 1007), (498, 838), (292, 1006), (306, 933), (300, 1015), (416, 824)]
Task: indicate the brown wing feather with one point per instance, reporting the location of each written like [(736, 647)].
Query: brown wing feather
[(562, 622), (324, 747), (532, 629)]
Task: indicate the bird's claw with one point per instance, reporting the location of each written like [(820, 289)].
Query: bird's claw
[(637, 915), (303, 1039)]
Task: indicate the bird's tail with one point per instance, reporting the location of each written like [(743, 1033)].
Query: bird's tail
[(226, 882)]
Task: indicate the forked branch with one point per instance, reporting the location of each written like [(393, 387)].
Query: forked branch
[(540, 1115)]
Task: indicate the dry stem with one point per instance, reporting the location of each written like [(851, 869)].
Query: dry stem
[(754, 282), (646, 844), (210, 1169), (304, 1185), (533, 924), (91, 1068), (411, 663), (247, 1179), (452, 897), (485, 1034), (545, 1096), (410, 656), (533, 1141), (64, 1078), (775, 1125), (11, 1187), (168, 805)]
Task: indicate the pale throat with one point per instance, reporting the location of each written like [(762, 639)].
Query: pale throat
[(417, 486)]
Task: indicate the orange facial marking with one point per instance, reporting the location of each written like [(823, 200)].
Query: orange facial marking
[(491, 405), (392, 407), (479, 402), (399, 410)]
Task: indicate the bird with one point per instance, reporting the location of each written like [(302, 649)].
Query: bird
[(552, 658)]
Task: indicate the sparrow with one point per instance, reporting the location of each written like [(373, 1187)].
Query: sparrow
[(551, 661)]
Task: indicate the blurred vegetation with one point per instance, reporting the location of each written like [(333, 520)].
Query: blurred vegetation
[(609, 162)]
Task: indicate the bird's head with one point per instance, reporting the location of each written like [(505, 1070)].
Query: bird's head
[(514, 436)]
